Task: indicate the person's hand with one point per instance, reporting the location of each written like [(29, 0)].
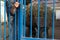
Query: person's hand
[(16, 4)]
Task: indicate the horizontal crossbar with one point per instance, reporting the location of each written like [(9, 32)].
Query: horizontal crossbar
[(36, 39)]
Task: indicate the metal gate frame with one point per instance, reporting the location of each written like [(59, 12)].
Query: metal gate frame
[(20, 23)]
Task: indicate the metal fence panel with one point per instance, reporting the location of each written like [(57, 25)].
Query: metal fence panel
[(22, 32)]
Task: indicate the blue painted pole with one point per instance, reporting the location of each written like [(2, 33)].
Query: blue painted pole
[(14, 34), (4, 19), (53, 18), (31, 18), (24, 9), (9, 24), (20, 19), (45, 19), (38, 18)]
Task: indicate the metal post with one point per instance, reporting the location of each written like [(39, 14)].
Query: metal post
[(24, 30), (31, 19), (38, 18), (4, 19), (45, 19), (53, 17), (20, 20)]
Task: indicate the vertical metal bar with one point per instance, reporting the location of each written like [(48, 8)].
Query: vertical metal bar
[(15, 27), (24, 17), (4, 19), (18, 21), (0, 22), (14, 24), (18, 10), (20, 33), (53, 15), (9, 24), (31, 19), (45, 18), (10, 34), (38, 18)]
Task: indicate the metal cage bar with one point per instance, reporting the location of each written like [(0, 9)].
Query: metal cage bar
[(4, 19), (14, 34), (53, 17), (24, 9), (18, 22), (45, 18), (20, 33), (38, 18), (9, 26), (31, 18)]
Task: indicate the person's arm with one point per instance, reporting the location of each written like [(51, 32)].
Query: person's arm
[(13, 9)]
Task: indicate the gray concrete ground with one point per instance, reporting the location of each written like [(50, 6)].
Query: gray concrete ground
[(56, 30)]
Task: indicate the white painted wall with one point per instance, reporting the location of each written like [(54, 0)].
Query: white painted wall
[(2, 12), (57, 14)]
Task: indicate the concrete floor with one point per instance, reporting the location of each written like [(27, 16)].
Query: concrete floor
[(56, 30)]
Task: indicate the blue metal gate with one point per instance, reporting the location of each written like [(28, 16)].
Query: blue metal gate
[(22, 22)]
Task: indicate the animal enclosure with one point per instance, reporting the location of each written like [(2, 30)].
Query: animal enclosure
[(31, 20)]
